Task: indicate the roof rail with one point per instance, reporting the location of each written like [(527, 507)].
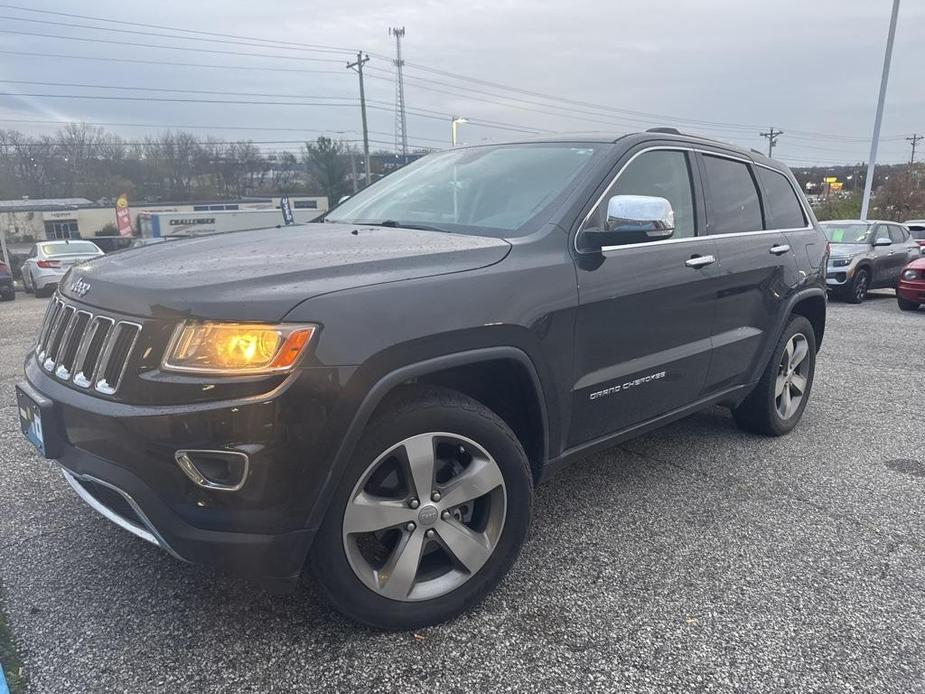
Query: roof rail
[(669, 131)]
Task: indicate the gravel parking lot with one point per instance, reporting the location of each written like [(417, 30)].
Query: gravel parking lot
[(695, 558)]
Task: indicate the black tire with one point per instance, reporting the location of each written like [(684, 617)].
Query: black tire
[(758, 413), (859, 286), (905, 304), (44, 292), (27, 286), (8, 297), (411, 412)]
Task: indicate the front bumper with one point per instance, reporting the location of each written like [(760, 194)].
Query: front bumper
[(120, 459), (912, 291)]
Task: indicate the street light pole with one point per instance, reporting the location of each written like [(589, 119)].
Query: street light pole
[(884, 78), (456, 121)]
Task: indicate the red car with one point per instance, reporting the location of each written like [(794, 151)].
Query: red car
[(910, 292)]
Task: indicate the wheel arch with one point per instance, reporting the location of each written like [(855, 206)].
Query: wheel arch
[(454, 370), (810, 303)]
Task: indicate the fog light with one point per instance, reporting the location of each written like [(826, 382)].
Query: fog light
[(224, 471)]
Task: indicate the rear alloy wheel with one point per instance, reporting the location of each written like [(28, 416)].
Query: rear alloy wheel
[(430, 514), (859, 287), (791, 381), (905, 304), (776, 404)]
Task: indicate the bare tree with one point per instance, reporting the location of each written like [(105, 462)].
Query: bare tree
[(324, 159)]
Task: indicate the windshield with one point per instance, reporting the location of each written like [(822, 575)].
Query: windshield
[(72, 248), (850, 232), (490, 190)]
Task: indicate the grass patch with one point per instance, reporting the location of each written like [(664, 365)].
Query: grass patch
[(9, 659)]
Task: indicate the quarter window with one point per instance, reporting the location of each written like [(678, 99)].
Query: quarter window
[(659, 173), (732, 203), (781, 205)]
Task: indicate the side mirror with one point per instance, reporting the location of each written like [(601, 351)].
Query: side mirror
[(883, 241), (633, 219)]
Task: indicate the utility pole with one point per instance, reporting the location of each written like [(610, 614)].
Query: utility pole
[(915, 139), (875, 141), (358, 66), (401, 125), (772, 136)]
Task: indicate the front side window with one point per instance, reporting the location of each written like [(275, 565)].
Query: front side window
[(782, 207), (732, 204), (660, 173), (494, 190)]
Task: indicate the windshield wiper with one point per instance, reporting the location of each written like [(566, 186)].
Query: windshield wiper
[(391, 223)]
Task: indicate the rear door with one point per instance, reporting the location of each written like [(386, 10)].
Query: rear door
[(906, 249), (757, 268), (643, 324), (884, 258)]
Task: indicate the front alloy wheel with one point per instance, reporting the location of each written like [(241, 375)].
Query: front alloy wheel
[(430, 513), (425, 517)]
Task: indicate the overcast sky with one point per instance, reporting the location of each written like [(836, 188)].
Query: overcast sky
[(737, 66)]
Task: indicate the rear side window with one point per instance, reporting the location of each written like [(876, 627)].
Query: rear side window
[(781, 205), (732, 203), (897, 235)]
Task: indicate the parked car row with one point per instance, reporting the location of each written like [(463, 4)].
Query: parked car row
[(872, 254)]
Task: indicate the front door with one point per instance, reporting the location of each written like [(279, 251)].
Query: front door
[(645, 309)]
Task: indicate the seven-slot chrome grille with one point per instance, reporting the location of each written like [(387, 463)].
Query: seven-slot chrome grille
[(89, 350)]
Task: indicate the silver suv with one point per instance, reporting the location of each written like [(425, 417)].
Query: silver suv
[(866, 254)]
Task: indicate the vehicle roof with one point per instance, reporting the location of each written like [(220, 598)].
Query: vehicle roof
[(668, 134), (862, 221)]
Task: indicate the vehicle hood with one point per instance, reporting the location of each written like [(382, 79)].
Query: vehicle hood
[(262, 274), (848, 250), (917, 264)]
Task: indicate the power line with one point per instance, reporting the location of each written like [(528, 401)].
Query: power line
[(200, 127), (162, 63), (771, 136), (507, 89), (169, 48), (179, 29), (171, 36)]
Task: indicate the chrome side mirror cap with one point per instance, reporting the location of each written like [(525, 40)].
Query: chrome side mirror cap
[(633, 219)]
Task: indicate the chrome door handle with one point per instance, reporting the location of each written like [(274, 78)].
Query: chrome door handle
[(780, 250), (699, 261)]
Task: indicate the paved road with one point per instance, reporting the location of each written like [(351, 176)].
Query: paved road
[(695, 558)]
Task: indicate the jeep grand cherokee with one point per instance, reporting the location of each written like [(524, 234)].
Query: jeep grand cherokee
[(375, 396)]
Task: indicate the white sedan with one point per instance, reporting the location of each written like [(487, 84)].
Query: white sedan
[(49, 260)]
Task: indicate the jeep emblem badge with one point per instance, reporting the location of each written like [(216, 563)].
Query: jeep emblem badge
[(428, 515), (79, 287)]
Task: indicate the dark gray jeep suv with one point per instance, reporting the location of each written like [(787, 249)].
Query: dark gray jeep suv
[(375, 396)]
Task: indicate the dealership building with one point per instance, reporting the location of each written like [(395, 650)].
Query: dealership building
[(26, 221)]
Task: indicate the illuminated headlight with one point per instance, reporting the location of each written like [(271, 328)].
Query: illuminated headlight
[(913, 274), (236, 348), (841, 262)]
